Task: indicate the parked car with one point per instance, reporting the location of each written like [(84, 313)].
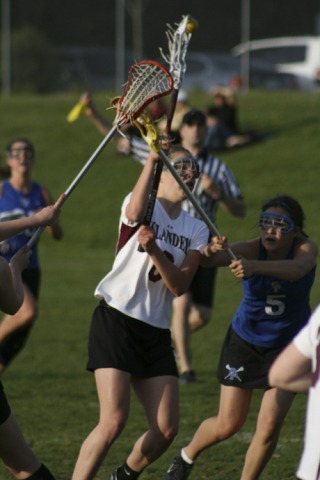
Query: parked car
[(92, 68), (206, 70), (296, 55)]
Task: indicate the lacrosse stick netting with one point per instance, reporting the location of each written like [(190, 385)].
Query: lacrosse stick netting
[(178, 41), (150, 134), (148, 80)]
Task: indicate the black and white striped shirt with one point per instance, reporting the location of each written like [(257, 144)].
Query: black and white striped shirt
[(224, 179), (139, 149)]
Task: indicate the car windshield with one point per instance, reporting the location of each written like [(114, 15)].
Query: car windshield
[(285, 54)]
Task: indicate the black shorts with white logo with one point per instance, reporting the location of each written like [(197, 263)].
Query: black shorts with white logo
[(245, 365), (121, 342), (5, 409)]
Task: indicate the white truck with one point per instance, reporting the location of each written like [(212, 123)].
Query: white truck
[(297, 55)]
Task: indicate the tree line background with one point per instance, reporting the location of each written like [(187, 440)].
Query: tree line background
[(41, 25)]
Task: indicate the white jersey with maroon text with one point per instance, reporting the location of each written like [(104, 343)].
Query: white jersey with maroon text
[(308, 343), (134, 286)]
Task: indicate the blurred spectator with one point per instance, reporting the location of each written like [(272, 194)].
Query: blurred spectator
[(220, 136), (226, 107), (222, 120)]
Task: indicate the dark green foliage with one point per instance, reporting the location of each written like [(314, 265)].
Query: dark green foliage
[(33, 68)]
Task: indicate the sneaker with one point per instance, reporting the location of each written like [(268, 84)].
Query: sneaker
[(114, 475), (179, 469), (188, 377)]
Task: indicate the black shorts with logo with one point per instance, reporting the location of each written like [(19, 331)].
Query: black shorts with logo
[(245, 365), (121, 342)]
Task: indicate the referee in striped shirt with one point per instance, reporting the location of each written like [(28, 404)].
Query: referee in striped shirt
[(216, 186)]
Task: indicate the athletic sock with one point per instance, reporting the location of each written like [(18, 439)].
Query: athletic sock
[(185, 457), (41, 474), (125, 472)]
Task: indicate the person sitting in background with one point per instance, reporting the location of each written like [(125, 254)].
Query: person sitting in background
[(226, 107), (224, 132), (219, 136), (297, 369)]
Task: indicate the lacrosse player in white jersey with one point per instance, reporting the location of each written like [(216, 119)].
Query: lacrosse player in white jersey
[(297, 369), (130, 340)]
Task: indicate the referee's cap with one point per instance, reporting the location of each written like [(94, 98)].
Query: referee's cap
[(194, 117)]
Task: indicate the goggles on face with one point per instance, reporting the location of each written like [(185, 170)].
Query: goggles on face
[(277, 221), (17, 153), (185, 166)]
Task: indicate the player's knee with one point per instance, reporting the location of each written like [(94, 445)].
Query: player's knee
[(229, 427), (203, 319), (268, 428), (111, 428), (198, 320), (28, 315), (167, 434)]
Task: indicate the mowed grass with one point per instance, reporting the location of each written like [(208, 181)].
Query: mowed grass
[(48, 387)]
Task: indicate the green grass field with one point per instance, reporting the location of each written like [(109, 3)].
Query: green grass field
[(50, 391)]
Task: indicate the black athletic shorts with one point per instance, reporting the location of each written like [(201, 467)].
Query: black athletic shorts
[(5, 409), (121, 342), (203, 285), (32, 277), (245, 365)]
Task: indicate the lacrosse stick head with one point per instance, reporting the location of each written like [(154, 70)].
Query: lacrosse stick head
[(178, 41), (147, 81), (148, 130)]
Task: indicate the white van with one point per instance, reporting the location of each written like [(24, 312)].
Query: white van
[(297, 55)]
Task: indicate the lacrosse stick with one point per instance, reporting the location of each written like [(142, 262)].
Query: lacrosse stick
[(150, 134), (178, 41), (148, 80)]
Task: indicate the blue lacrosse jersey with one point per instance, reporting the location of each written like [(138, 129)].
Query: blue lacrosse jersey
[(13, 205), (273, 310)]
